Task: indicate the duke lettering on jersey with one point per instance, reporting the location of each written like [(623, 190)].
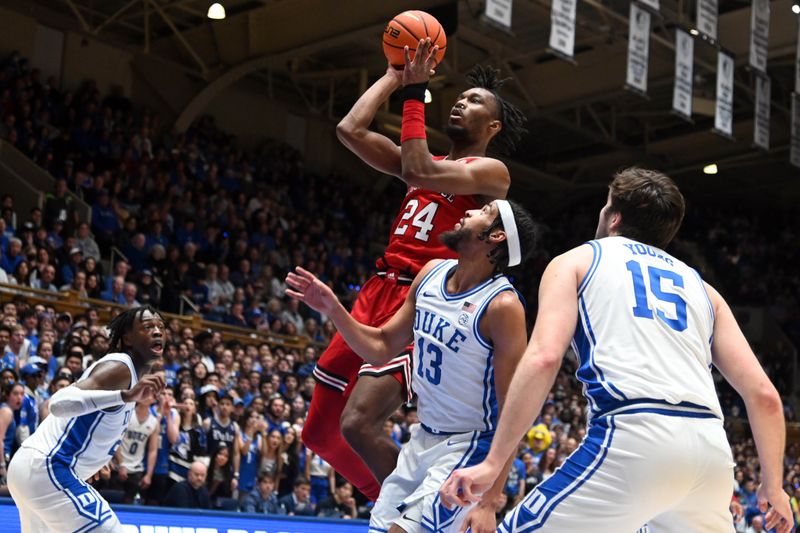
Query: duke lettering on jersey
[(453, 365)]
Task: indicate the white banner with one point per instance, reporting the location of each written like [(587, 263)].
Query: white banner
[(652, 4), (707, 12), (723, 117), (794, 156), (759, 35), (797, 63), (761, 120), (684, 66), (638, 48), (499, 11), (562, 27)]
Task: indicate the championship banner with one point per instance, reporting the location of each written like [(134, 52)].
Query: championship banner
[(499, 11), (638, 49), (684, 66), (761, 120), (562, 27), (759, 35), (794, 156), (723, 116), (707, 13)]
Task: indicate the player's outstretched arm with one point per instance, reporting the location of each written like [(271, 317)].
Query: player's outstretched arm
[(736, 361), (375, 345), (376, 150), (106, 387), (535, 375)]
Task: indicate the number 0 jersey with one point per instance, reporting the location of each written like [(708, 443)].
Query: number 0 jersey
[(414, 237), (84, 443), (644, 333), (453, 372)]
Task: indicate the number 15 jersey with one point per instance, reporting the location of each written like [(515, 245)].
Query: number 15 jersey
[(414, 237), (644, 333)]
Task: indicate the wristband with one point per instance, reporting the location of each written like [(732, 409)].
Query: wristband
[(415, 91), (413, 121)]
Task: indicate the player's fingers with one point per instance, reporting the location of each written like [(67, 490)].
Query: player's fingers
[(302, 272), (763, 504), (294, 294), (771, 519), (467, 494), (406, 55), (295, 281), (431, 58)]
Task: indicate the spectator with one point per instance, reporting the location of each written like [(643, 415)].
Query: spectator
[(298, 503), (322, 476), (11, 396), (191, 444), (12, 256), (271, 456), (104, 220), (71, 268), (87, 243), (341, 504), (250, 446), (129, 295), (45, 282), (134, 470), (221, 482), (263, 498), (192, 493), (116, 293), (147, 291)]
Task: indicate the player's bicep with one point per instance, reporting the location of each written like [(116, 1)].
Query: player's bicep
[(731, 353), (505, 321), (376, 150), (485, 177), (109, 375), (558, 308)]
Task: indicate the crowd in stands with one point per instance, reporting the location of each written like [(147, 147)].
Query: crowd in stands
[(194, 216)]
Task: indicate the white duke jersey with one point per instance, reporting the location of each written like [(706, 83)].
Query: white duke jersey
[(134, 441), (644, 333), (453, 372), (84, 443)]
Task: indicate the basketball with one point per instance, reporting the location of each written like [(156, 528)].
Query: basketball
[(407, 29)]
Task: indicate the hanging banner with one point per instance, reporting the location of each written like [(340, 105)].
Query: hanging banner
[(759, 35), (562, 27), (707, 13), (794, 156), (499, 11), (723, 116), (638, 49), (761, 120), (684, 66), (652, 4), (797, 63)]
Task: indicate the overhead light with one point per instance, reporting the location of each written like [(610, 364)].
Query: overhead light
[(428, 96), (710, 169), (694, 32), (796, 9), (216, 11)]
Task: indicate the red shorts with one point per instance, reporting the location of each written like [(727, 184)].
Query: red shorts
[(379, 299)]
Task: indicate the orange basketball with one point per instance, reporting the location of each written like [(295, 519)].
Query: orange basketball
[(407, 29)]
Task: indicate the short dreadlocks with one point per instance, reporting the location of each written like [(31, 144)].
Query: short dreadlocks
[(123, 323), (510, 116)]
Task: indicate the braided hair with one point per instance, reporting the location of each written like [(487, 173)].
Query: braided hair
[(528, 235), (510, 116), (123, 323)]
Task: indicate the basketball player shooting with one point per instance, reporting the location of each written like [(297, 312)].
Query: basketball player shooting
[(468, 328), (440, 190), (86, 422)]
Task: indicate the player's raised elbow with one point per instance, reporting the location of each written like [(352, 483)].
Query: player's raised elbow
[(346, 131)]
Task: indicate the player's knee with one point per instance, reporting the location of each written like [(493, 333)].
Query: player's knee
[(356, 425)]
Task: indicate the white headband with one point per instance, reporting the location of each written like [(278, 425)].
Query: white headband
[(512, 236)]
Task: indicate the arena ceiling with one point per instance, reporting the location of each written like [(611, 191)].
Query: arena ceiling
[(583, 123)]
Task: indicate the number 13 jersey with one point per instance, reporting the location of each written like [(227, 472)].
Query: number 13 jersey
[(414, 237), (644, 333)]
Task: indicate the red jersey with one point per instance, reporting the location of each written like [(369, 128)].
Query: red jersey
[(414, 237)]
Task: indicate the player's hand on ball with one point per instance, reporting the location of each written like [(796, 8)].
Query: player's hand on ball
[(775, 502), (467, 485), (146, 389), (421, 68), (311, 291)]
